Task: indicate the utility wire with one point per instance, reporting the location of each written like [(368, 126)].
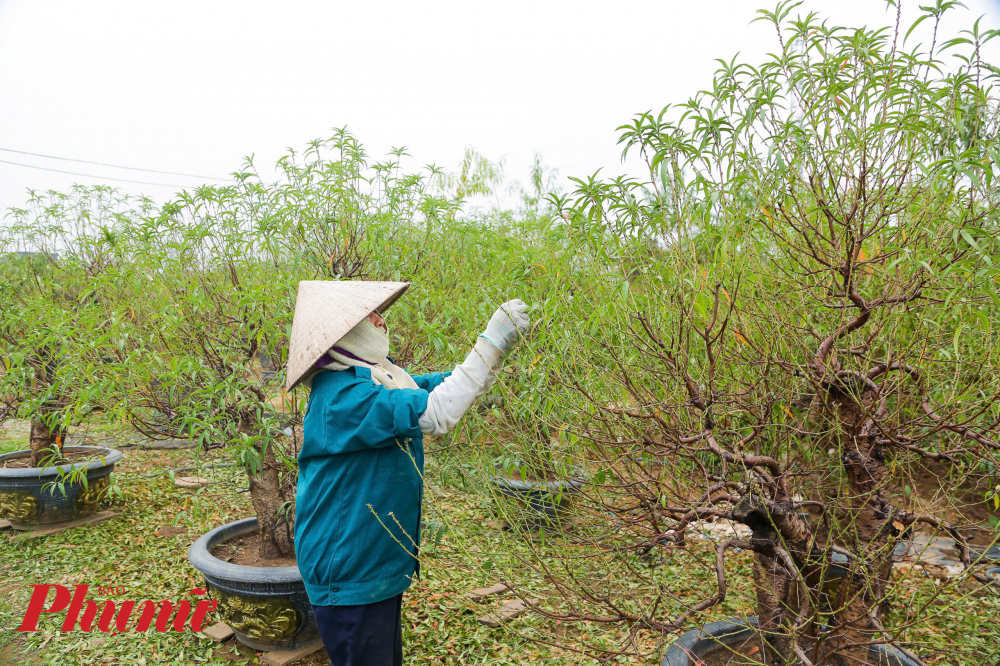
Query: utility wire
[(90, 175), (114, 166)]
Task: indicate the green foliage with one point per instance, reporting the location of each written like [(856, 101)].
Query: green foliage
[(806, 287), (809, 227)]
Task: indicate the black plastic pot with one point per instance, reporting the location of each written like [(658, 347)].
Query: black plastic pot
[(267, 361), (542, 503), (725, 634), (267, 607), (269, 366), (991, 553), (837, 571), (29, 497)]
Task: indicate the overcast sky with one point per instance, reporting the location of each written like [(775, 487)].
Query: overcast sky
[(194, 87)]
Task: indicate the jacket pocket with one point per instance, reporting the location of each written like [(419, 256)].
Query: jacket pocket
[(335, 565)]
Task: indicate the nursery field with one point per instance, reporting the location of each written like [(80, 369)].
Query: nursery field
[(158, 521), (761, 385)]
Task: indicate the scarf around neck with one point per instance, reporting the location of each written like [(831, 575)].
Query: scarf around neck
[(367, 347)]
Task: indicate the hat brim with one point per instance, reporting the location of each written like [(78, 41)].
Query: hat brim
[(325, 310)]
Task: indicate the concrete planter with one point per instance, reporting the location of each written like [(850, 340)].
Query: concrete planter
[(267, 607), (29, 499)]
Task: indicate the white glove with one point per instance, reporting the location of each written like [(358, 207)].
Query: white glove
[(506, 324), (453, 397)]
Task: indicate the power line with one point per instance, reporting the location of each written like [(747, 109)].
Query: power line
[(89, 175), (114, 166)]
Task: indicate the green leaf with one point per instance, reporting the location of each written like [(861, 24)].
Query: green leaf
[(914, 26), (971, 241)]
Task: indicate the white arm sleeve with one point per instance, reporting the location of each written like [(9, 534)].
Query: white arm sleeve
[(450, 400)]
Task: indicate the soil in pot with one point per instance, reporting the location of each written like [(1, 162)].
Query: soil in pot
[(744, 647), (744, 653), (749, 653), (67, 458), (245, 550)]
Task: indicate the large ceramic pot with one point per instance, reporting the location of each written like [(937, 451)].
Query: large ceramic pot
[(267, 607), (693, 646), (29, 496), (540, 503)]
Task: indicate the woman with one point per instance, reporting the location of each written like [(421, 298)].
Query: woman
[(360, 487)]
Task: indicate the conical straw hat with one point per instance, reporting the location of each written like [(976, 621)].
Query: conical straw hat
[(325, 310)]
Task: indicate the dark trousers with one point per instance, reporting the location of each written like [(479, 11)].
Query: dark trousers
[(366, 635)]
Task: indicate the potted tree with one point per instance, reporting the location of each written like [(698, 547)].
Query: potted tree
[(202, 297), (814, 329), (211, 283), (534, 479), (50, 375)]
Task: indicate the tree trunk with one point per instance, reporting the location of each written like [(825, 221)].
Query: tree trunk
[(782, 542), (273, 502), (774, 606), (782, 613), (45, 443), (870, 536)]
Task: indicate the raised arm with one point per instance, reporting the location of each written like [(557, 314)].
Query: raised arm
[(452, 398)]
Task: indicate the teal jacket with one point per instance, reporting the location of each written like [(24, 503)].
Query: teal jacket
[(357, 506)]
